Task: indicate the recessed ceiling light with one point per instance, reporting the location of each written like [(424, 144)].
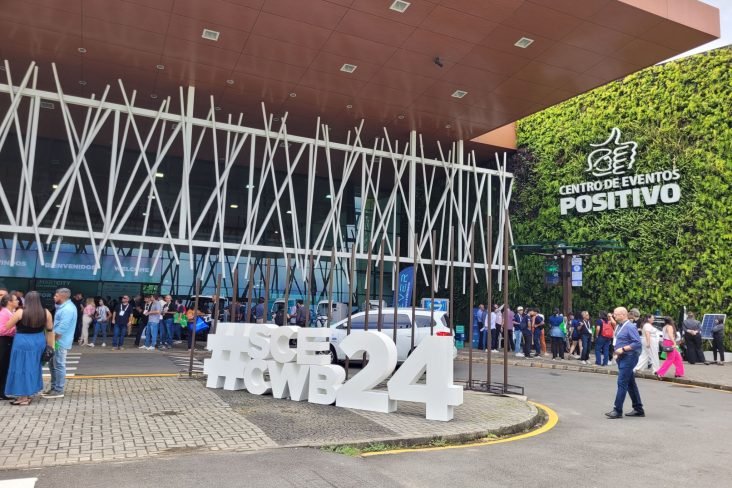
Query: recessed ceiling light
[(233, 205), (524, 42), (210, 34), (448, 126), (289, 211), (349, 106), (151, 197), (348, 68), (160, 66), (459, 93), (276, 119), (54, 186), (400, 116), (217, 108), (250, 186), (82, 50), (277, 232), (2, 68), (400, 6), (144, 214), (47, 105), (82, 82), (293, 94), (153, 96), (159, 175), (58, 206), (329, 196), (230, 82)]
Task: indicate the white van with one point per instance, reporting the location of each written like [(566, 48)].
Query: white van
[(339, 311), (404, 330)]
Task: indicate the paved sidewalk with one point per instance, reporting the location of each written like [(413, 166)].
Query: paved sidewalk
[(128, 418), (709, 376)]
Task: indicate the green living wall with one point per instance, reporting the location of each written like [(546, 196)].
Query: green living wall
[(680, 114)]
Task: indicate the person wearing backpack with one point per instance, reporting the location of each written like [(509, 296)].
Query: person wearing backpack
[(605, 333), (301, 316), (280, 317)]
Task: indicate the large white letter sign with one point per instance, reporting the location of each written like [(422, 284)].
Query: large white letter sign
[(258, 358), (229, 357), (382, 358), (254, 377), (433, 356), (289, 380), (324, 383), (279, 343), (259, 339), (310, 342)]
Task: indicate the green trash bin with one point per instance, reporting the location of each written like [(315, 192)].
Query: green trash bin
[(460, 336)]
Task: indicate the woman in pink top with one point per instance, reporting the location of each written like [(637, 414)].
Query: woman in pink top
[(8, 304), (86, 320)]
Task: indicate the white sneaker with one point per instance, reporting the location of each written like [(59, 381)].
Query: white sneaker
[(91, 345), (494, 350), (142, 347), (519, 355), (151, 348), (104, 344)]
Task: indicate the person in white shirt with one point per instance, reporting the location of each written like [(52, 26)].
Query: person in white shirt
[(649, 339)]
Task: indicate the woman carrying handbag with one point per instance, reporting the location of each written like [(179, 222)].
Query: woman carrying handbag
[(673, 356)]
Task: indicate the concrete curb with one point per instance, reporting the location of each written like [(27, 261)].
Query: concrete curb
[(596, 370), (537, 420)]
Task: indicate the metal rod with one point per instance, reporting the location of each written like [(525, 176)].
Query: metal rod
[(368, 298), (352, 271), (266, 292), (309, 291), (249, 293), (489, 257), (380, 320), (216, 305), (395, 271), (433, 284), (472, 304), (192, 328), (414, 289), (286, 319), (452, 280), (235, 295), (330, 286), (505, 293)]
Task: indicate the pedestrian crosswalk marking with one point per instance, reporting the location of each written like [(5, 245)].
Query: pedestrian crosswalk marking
[(71, 358), (183, 360)]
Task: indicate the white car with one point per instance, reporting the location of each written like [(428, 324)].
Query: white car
[(404, 330)]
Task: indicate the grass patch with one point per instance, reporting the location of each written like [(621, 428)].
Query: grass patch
[(345, 450)]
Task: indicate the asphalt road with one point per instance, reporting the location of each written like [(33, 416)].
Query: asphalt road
[(685, 440)]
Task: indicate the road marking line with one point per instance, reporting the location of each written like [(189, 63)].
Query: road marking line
[(113, 376), (551, 422), (19, 483)]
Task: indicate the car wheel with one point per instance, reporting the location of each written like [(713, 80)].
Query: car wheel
[(333, 356)]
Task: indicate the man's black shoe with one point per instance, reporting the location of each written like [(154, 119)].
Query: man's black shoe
[(635, 413), (613, 415)]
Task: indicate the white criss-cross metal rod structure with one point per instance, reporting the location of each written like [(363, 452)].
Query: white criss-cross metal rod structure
[(453, 191)]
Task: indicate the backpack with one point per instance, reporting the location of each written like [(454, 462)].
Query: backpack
[(279, 317), (607, 330)]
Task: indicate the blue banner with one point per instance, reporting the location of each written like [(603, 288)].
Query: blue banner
[(406, 283), (24, 266)]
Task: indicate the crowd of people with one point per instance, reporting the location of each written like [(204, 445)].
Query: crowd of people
[(578, 336)]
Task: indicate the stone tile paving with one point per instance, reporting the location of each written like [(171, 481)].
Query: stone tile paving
[(128, 418), (101, 420)]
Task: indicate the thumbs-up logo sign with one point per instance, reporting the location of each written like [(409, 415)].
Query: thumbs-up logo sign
[(612, 156)]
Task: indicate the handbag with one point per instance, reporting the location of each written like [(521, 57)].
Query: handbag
[(668, 348), (47, 355)]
